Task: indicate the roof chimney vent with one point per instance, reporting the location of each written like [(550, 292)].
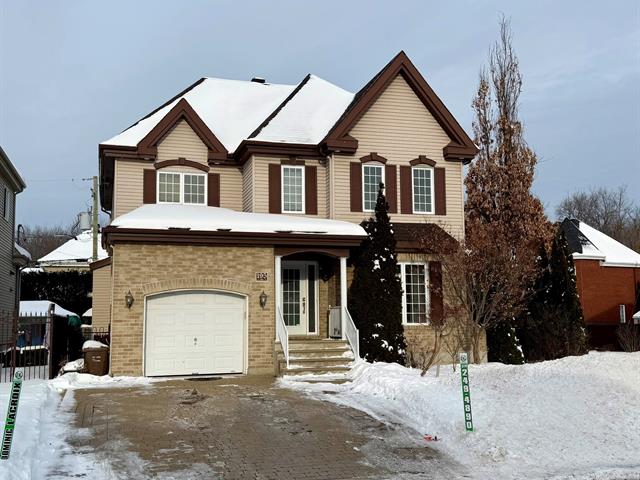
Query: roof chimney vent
[(258, 80)]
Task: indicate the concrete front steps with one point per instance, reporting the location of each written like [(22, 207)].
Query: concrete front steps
[(311, 355)]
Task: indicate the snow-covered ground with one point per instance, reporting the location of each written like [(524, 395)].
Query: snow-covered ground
[(573, 418), (45, 413)]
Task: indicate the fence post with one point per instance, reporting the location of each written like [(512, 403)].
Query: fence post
[(49, 321), (14, 340)]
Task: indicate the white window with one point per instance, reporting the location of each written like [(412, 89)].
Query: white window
[(371, 179), (422, 189), (415, 285), (174, 187), (292, 189), (194, 188)]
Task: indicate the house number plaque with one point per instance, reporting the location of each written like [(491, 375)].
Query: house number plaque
[(262, 276)]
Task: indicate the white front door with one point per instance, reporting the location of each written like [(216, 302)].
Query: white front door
[(299, 297), (194, 332)]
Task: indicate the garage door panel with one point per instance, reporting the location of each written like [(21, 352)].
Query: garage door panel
[(194, 333)]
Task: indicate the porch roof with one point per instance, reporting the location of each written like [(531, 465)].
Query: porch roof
[(215, 219)]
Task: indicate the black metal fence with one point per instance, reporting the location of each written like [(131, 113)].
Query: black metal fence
[(39, 342), (25, 343)]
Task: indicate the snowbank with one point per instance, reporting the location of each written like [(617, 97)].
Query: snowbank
[(36, 432), (74, 380), (571, 418)]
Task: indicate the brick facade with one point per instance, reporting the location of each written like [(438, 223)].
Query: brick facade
[(145, 269), (602, 289)]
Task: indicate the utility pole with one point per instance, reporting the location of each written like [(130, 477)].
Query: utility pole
[(94, 218)]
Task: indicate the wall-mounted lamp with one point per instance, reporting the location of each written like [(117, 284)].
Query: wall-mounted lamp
[(263, 299), (128, 298)]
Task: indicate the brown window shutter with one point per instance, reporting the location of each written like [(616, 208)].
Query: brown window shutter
[(436, 314), (213, 190), (441, 195), (356, 186), (149, 186), (275, 181), (406, 200), (390, 187), (311, 190)]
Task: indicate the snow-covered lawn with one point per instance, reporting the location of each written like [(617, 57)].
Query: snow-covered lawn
[(577, 417)]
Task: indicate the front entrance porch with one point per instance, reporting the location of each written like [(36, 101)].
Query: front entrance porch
[(314, 330)]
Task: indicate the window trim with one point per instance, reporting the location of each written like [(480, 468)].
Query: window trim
[(182, 189), (433, 193), (427, 292), (382, 178), (304, 189)]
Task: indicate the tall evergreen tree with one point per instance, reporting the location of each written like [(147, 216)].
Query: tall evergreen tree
[(498, 184), (553, 325), (375, 295), (564, 296)]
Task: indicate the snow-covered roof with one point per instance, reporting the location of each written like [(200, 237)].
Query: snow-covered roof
[(40, 308), (88, 313), (309, 115), (234, 109), (200, 218), (598, 246), (78, 249), (22, 251)]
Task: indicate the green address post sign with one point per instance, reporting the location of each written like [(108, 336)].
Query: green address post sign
[(12, 411), (466, 394)]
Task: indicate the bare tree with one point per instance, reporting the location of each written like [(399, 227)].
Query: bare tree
[(609, 210), (40, 240), (629, 337)]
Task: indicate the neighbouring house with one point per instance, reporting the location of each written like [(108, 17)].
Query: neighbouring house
[(12, 255), (608, 278), (235, 208), (75, 254)]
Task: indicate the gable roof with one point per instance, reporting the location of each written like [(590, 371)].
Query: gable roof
[(230, 109), (587, 243), (11, 173), (461, 146), (307, 115), (76, 250)]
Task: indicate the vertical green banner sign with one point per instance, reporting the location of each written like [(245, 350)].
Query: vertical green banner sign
[(10, 422), (466, 394)]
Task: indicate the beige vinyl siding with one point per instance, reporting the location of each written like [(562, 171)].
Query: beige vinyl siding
[(261, 184), (7, 269), (230, 187), (183, 142), (247, 186), (399, 127), (101, 297), (128, 185)]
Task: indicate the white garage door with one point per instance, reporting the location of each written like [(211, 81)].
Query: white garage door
[(194, 332)]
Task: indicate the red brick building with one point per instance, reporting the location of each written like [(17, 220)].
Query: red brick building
[(608, 280)]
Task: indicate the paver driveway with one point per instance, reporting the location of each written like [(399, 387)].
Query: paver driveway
[(242, 428)]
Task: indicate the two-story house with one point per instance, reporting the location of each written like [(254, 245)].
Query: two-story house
[(12, 255), (235, 207)]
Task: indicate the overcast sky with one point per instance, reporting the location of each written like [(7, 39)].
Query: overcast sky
[(74, 73)]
